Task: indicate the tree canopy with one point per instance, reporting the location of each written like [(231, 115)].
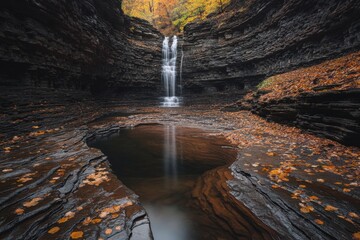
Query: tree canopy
[(171, 16)]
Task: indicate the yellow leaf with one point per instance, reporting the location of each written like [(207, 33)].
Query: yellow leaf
[(330, 208), (77, 235), (54, 230)]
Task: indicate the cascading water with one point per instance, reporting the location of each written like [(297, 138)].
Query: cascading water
[(169, 73)]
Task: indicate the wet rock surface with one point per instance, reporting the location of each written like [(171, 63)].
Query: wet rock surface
[(331, 114), (87, 45), (253, 40), (284, 183)]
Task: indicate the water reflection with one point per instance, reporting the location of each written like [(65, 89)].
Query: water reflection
[(161, 164), (170, 155), (168, 222)]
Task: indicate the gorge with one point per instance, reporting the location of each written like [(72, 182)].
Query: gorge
[(260, 108)]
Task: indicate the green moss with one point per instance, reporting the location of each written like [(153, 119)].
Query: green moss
[(266, 83)]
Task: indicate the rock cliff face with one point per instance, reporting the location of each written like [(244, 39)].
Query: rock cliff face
[(259, 38), (87, 45)]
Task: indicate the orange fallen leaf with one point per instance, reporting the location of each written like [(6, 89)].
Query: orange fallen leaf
[(356, 236), (306, 209), (318, 221), (7, 149), (302, 186), (54, 230), (271, 154), (346, 190), (87, 221), (320, 180), (118, 228), (19, 211), (330, 208), (108, 231), (353, 215), (62, 220), (314, 198), (96, 220), (77, 235)]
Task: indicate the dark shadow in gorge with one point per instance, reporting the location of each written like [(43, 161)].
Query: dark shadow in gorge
[(162, 164)]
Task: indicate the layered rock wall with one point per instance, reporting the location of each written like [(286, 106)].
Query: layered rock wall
[(87, 45), (259, 38), (330, 114)]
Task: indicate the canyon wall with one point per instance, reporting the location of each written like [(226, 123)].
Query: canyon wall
[(258, 38), (84, 45)]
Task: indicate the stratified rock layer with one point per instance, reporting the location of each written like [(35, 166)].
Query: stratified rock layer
[(259, 38), (87, 45)]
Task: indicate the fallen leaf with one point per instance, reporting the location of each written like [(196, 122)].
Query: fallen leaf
[(32, 203), (87, 221), (70, 214), (320, 180), (7, 149), (353, 215), (314, 198), (62, 220), (306, 208), (7, 170), (318, 221), (19, 211), (346, 190), (77, 235), (302, 186), (271, 154), (118, 228), (24, 179), (35, 127), (356, 236), (96, 220), (108, 231), (54, 230), (330, 208)]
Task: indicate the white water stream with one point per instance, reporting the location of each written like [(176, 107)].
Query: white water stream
[(169, 73)]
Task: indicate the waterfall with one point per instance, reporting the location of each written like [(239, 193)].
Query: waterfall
[(169, 73)]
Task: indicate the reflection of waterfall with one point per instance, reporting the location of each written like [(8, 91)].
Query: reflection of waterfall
[(169, 72), (170, 156), (181, 68)]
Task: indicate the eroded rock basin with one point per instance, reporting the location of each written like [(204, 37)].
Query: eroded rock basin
[(283, 183), (161, 163)]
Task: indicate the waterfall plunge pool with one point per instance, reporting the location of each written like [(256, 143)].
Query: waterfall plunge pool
[(161, 164)]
